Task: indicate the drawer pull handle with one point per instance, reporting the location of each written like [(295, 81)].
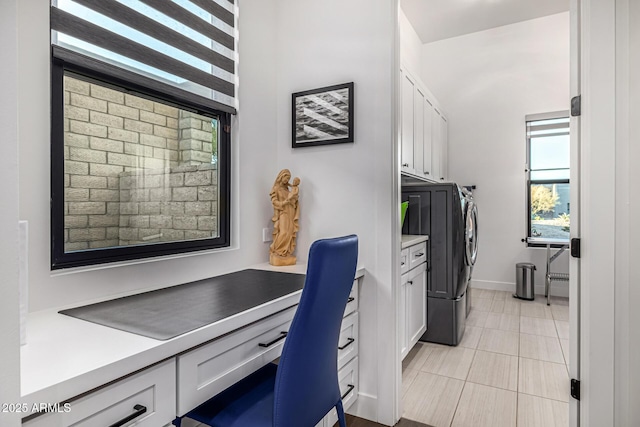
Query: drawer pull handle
[(410, 282), (282, 336), (402, 264), (139, 410), (349, 342), (419, 254), (350, 388), (350, 299)]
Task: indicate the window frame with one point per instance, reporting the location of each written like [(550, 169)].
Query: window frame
[(88, 69), (529, 182)]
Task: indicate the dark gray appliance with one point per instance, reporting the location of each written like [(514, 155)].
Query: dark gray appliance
[(447, 214)]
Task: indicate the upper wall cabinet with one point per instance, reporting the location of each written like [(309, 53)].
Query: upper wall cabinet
[(423, 132), (407, 136)]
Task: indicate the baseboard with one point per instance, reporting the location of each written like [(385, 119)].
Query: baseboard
[(365, 406), (492, 285), (557, 290)]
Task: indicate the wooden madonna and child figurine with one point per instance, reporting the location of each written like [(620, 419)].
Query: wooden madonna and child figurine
[(286, 214)]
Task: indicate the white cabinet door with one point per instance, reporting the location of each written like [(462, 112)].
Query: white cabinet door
[(407, 135), (418, 131), (436, 144), (428, 139), (416, 304), (402, 315), (444, 149)]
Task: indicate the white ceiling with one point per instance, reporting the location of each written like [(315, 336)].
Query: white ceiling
[(441, 19)]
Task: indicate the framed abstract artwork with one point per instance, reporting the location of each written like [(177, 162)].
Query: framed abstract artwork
[(323, 116)]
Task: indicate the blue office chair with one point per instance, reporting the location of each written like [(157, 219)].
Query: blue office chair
[(303, 388)]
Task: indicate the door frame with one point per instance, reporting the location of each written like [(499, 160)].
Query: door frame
[(597, 133), (9, 294), (574, 263)]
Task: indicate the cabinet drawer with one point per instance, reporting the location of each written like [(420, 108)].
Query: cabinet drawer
[(208, 370), (352, 302), (154, 389), (404, 261), (348, 382), (348, 342), (417, 255)]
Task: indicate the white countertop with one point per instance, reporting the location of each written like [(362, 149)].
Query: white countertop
[(410, 240), (65, 356)]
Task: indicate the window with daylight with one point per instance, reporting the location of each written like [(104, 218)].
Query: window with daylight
[(548, 172), (142, 98)]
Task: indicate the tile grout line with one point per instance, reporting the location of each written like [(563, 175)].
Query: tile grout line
[(543, 397), (458, 403)]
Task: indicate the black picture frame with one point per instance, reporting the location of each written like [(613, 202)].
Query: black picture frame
[(322, 116)]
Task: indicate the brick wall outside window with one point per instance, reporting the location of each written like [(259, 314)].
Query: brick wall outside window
[(136, 171)]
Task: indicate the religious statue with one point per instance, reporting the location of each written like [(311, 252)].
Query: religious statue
[(286, 212)]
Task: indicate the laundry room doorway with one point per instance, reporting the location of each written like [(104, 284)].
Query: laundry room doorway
[(485, 80)]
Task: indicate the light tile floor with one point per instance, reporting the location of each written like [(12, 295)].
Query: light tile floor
[(510, 370)]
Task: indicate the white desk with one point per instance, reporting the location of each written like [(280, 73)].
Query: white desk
[(65, 357)]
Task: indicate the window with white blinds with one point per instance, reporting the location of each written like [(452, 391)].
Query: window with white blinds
[(185, 48), (548, 173)]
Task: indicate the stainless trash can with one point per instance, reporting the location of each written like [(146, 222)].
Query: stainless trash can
[(525, 281)]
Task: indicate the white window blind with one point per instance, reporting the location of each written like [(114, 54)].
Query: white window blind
[(184, 47)]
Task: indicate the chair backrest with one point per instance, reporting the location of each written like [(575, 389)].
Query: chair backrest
[(307, 381)]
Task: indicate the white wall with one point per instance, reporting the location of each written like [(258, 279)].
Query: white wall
[(488, 81), (253, 155), (9, 328), (410, 46), (347, 188), (285, 46)]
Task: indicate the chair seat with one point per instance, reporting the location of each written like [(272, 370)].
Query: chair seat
[(561, 277), (248, 403)]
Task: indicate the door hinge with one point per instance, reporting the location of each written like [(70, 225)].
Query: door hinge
[(576, 105), (575, 247), (226, 128), (575, 389)]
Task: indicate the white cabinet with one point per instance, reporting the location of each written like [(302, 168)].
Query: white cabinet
[(348, 344), (416, 304), (402, 315), (412, 301), (427, 154), (418, 130), (404, 261), (423, 131), (204, 371), (174, 383), (407, 123), (147, 398), (348, 383), (440, 146), (444, 149)]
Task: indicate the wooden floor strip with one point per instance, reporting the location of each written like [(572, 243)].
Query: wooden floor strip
[(360, 422)]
